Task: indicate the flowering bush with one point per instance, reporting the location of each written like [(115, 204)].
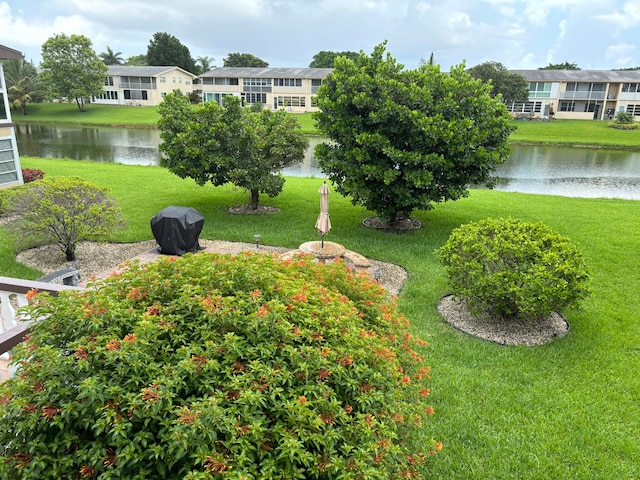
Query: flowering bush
[(31, 175), (209, 366), (513, 269)]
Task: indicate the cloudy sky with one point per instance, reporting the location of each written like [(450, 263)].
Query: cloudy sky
[(595, 34)]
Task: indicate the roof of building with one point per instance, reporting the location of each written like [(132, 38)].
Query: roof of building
[(143, 71), (10, 54), (613, 76), (259, 72)]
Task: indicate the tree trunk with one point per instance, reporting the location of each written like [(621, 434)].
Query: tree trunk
[(24, 108), (80, 103), (255, 196), (70, 252)]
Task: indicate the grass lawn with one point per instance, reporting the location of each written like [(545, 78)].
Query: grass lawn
[(565, 410)]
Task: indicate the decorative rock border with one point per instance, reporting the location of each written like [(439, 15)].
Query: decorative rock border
[(511, 332)]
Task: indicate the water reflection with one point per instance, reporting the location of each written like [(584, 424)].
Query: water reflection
[(566, 171)]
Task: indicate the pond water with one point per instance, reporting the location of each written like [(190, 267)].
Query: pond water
[(566, 171)]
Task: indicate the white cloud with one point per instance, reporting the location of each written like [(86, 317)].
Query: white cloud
[(621, 56), (628, 18)]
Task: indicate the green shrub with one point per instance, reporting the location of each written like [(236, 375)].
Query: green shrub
[(512, 269), (256, 107), (212, 366), (623, 121), (64, 211)]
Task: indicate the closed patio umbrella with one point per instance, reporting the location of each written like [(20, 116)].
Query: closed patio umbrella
[(323, 224)]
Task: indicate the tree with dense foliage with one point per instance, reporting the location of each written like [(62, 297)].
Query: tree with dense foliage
[(325, 59), (23, 85), (204, 64), (71, 70), (244, 60), (137, 61), (64, 211), (220, 144), (166, 50), (509, 269), (511, 86), (561, 66), (403, 139), (111, 58), (212, 366)]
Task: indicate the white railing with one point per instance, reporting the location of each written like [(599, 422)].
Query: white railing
[(13, 296)]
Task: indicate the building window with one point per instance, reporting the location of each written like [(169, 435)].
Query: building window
[(3, 111), (186, 81), (634, 110), (8, 172), (163, 79), (108, 81), (287, 82), (214, 97), (315, 85), (249, 98), (220, 81), (108, 95), (539, 89), (256, 82), (135, 95), (290, 101), (631, 87), (567, 105)]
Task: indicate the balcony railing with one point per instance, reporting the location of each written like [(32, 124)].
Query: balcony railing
[(13, 291), (573, 95)]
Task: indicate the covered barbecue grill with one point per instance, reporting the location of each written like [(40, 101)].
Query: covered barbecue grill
[(176, 229)]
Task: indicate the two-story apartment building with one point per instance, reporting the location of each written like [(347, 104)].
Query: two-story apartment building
[(292, 89), (143, 86), (580, 94), (10, 169)]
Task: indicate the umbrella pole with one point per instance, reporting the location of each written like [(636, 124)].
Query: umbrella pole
[(322, 244)]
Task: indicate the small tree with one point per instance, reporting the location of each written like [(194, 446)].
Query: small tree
[(165, 49), (71, 69), (211, 367), (244, 60), (210, 143), (623, 121), (513, 269), (23, 84), (510, 86), (65, 211), (404, 139), (325, 59)]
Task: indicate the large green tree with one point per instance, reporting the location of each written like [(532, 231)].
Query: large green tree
[(111, 58), (512, 87), (244, 60), (221, 144), (166, 50), (325, 58), (71, 69), (137, 61), (23, 85), (403, 139), (561, 66)]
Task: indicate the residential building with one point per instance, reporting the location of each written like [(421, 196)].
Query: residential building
[(143, 86), (10, 169), (579, 94), (292, 89)]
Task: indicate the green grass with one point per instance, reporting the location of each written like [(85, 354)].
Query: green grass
[(565, 410), (98, 115), (556, 132), (575, 132)]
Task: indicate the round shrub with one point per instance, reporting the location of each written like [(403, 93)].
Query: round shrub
[(513, 269), (209, 366)]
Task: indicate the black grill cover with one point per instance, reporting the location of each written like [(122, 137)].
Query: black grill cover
[(176, 229)]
